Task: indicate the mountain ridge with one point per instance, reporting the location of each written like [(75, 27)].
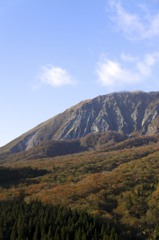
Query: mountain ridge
[(125, 112)]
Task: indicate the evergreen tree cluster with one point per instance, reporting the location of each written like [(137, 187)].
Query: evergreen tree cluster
[(36, 221)]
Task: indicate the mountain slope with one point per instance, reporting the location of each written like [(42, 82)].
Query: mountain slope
[(121, 185), (124, 112)]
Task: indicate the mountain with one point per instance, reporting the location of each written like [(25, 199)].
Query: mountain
[(122, 112), (118, 180)]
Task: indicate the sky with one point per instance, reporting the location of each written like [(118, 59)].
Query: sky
[(56, 53)]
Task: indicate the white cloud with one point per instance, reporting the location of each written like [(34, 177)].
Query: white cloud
[(121, 73), (133, 25), (55, 76), (145, 67)]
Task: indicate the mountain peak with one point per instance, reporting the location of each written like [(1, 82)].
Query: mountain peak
[(124, 112)]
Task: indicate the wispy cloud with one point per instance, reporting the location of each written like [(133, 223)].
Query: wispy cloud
[(55, 76), (133, 25), (127, 70)]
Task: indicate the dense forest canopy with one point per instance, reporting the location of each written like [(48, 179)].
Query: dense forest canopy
[(36, 221)]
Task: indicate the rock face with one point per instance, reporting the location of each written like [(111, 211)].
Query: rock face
[(124, 112)]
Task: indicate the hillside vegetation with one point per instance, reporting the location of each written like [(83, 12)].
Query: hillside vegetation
[(119, 183)]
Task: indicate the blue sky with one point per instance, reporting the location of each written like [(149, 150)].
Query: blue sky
[(55, 53)]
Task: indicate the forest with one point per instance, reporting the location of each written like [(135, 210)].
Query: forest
[(118, 185), (36, 221)]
